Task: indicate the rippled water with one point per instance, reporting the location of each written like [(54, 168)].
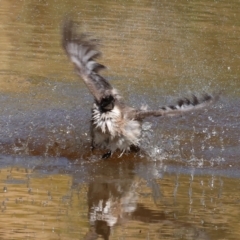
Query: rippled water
[(184, 184)]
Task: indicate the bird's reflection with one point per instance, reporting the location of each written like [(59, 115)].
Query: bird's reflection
[(113, 198), (115, 195)]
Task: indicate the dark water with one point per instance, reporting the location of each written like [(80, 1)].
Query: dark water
[(184, 184)]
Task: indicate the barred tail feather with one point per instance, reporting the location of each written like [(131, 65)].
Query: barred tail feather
[(183, 105), (83, 52)]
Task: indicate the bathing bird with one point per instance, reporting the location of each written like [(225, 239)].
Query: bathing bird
[(114, 124)]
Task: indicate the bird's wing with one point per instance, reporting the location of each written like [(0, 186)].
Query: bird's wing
[(183, 105), (83, 52)]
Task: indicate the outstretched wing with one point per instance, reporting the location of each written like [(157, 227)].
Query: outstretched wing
[(182, 106), (83, 51)]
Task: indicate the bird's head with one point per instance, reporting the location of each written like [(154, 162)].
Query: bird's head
[(107, 103)]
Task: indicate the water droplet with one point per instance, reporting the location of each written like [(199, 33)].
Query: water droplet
[(4, 189), (210, 148), (214, 133), (210, 119), (146, 126)]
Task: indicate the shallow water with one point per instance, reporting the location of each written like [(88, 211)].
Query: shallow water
[(184, 184)]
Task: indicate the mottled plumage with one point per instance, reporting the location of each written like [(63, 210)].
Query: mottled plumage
[(114, 124)]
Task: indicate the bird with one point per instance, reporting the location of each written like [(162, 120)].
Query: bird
[(114, 124)]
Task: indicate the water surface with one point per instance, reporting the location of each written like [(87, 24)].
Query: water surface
[(184, 184)]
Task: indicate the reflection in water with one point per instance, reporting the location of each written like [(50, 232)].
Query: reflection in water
[(185, 183), (112, 199), (124, 200)]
